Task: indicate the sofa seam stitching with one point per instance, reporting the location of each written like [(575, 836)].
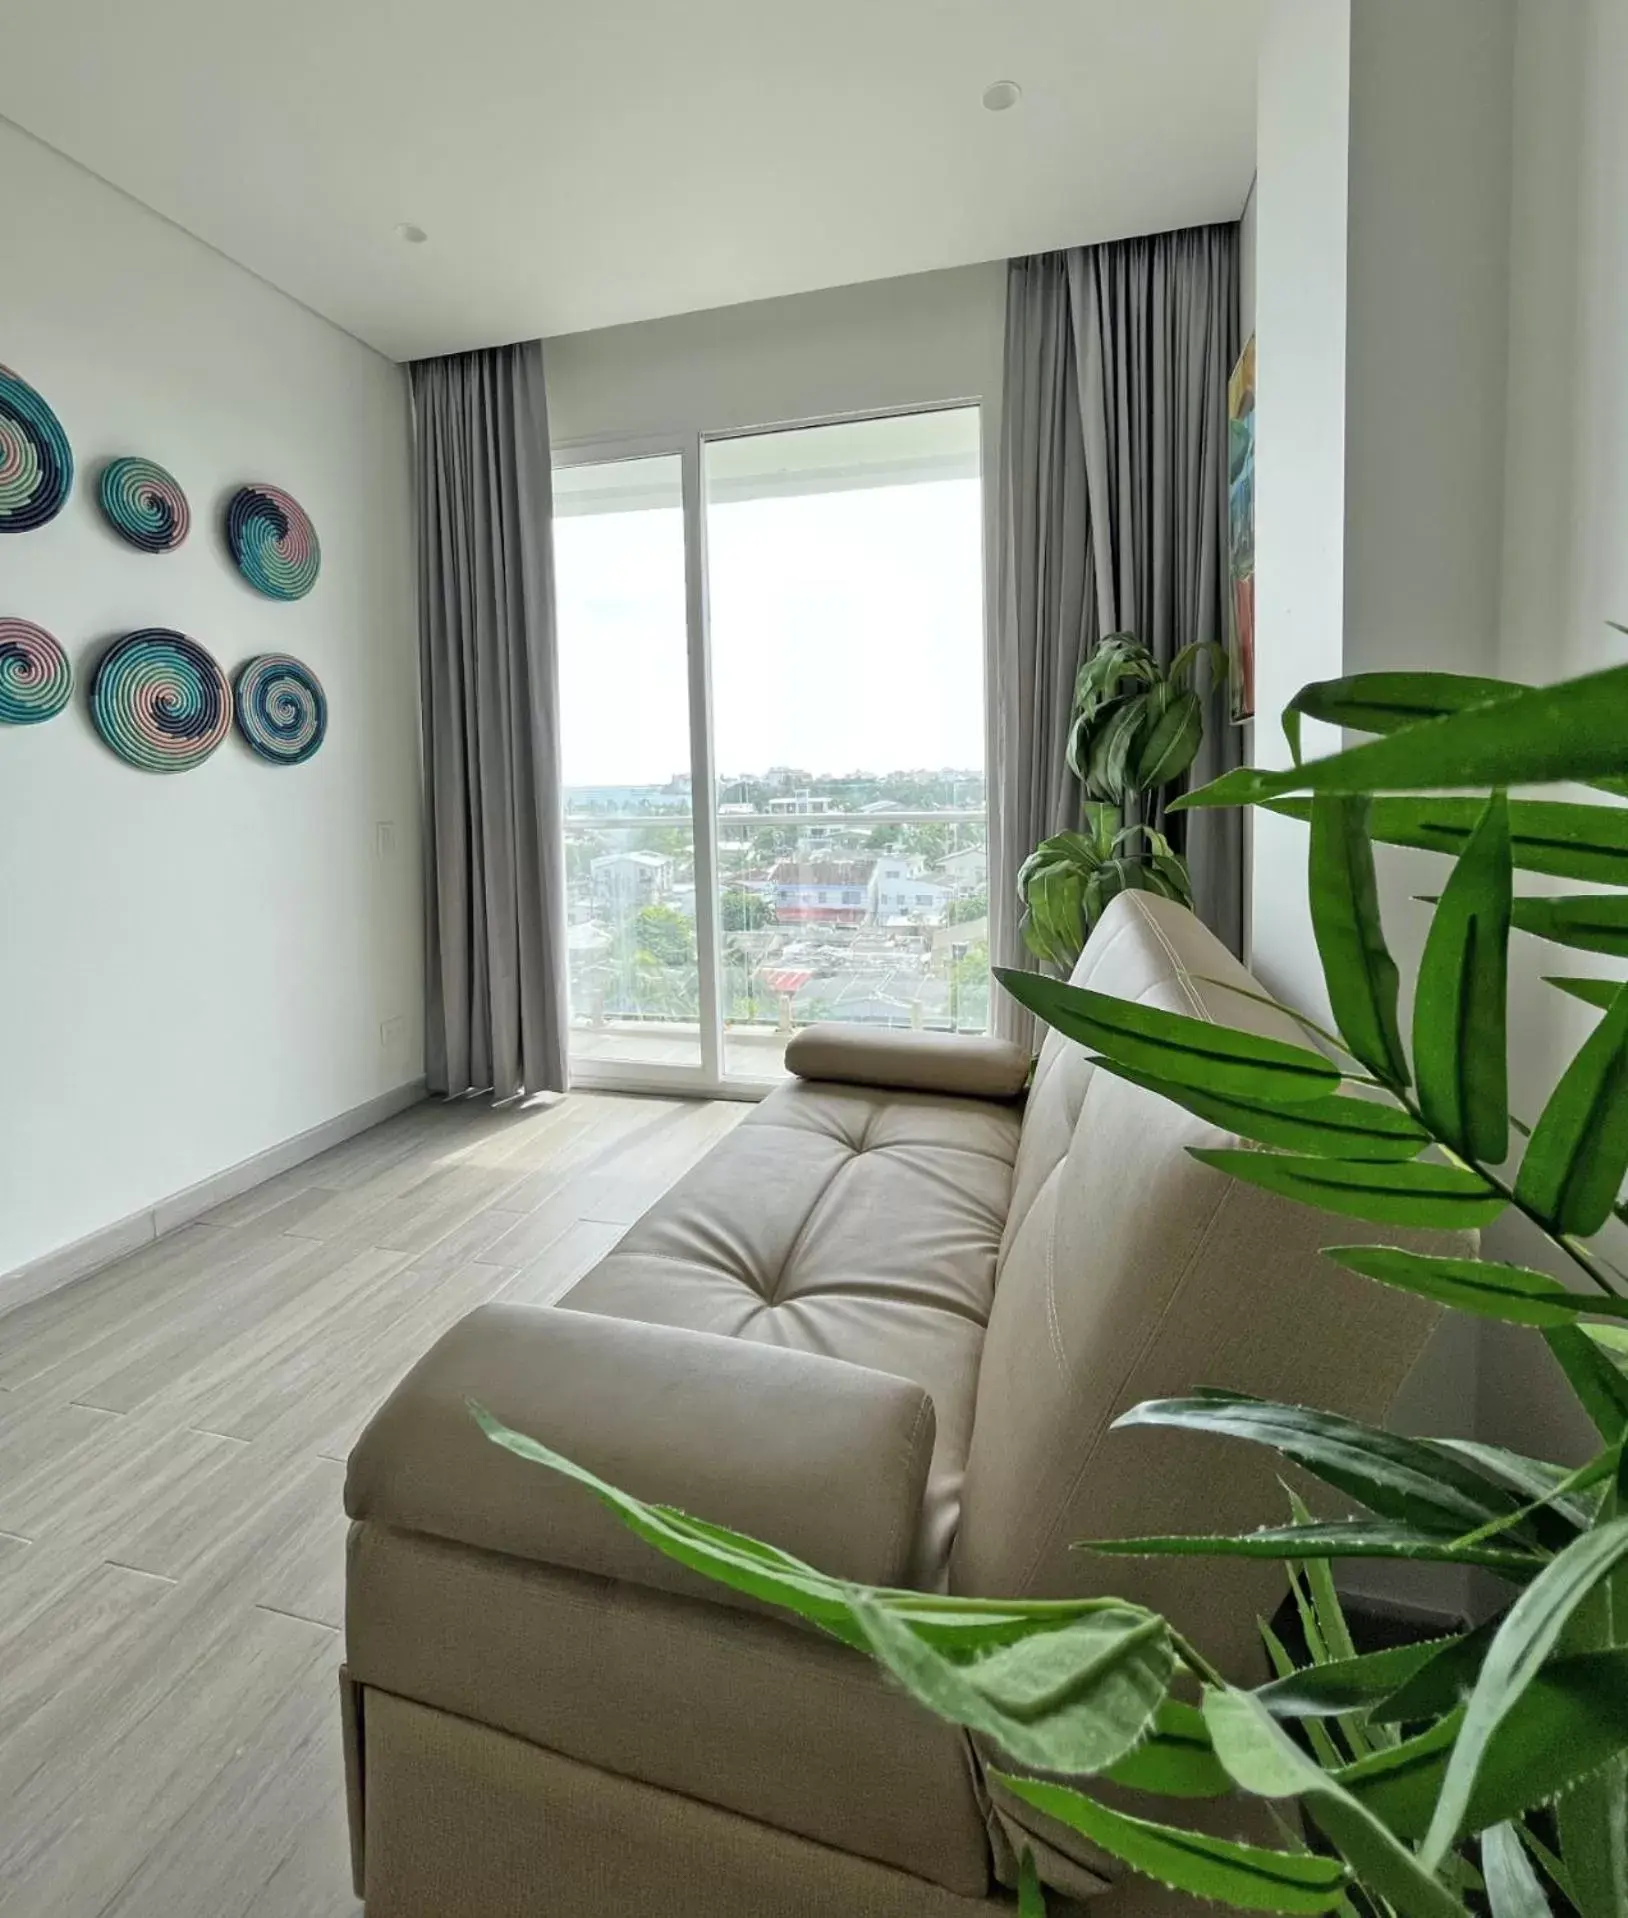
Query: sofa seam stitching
[(1183, 977), (923, 1406)]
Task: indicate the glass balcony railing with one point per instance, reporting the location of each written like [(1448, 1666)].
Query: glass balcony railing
[(878, 917)]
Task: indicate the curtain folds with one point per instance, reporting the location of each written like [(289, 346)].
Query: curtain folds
[(494, 852), (1112, 518)]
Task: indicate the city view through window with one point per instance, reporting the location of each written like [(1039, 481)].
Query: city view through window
[(847, 824)]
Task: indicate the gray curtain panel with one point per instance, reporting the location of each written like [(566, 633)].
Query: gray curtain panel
[(1112, 518), (495, 860)]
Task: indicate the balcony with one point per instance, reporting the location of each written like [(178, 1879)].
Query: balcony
[(873, 917)]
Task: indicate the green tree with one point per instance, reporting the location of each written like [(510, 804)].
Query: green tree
[(742, 911), (672, 842), (664, 936), (961, 912)]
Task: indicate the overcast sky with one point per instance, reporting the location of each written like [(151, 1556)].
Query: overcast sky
[(847, 634)]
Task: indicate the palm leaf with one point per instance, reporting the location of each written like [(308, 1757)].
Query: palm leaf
[(1359, 972), (1418, 1193), (1173, 1046), (1459, 1005), (1485, 1287), (1576, 1159), (1601, 1388), (1588, 921), (1573, 730), (1560, 837), (1332, 1127)]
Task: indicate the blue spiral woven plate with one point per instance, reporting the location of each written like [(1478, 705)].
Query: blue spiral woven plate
[(36, 461), (144, 504), (281, 709), (160, 700)]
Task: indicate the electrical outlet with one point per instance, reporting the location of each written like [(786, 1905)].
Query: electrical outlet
[(393, 1034), (384, 839)]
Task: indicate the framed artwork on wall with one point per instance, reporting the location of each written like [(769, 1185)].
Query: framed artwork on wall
[(1241, 531)]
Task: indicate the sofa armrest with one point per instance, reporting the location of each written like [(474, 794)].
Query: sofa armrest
[(953, 1062), (824, 1459)]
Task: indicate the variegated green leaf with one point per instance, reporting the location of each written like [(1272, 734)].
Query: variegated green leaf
[(1074, 1700), (1571, 1721), (1410, 1481), (1247, 1877), (1328, 1538), (1517, 1654), (1263, 1759)]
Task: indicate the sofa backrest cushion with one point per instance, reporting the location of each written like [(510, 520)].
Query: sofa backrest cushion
[(1129, 1271)]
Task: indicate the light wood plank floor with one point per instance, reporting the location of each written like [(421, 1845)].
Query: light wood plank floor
[(173, 1432)]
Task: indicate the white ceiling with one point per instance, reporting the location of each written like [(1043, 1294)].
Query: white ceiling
[(578, 165)]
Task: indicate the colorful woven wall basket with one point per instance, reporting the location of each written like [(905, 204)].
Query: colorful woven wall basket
[(36, 461), (274, 543), (281, 709), (160, 701), (36, 678), (144, 504)]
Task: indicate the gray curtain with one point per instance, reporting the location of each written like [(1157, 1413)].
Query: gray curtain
[(495, 861), (1112, 518)]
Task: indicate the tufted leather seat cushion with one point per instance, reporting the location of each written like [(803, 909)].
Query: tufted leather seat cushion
[(852, 1221)]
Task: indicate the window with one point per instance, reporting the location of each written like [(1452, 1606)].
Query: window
[(774, 770)]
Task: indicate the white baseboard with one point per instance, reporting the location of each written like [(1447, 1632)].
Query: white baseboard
[(109, 1242)]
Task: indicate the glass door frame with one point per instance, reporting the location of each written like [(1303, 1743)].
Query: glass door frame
[(708, 1080)]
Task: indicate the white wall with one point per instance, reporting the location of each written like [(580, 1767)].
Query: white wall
[(1382, 216), (1566, 521), (1303, 104), (195, 967), (1246, 266), (914, 341)]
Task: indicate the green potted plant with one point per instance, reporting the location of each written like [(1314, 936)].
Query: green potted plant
[(1134, 732), (1486, 1766)]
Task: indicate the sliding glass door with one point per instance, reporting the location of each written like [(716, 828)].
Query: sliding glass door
[(619, 581), (772, 686)]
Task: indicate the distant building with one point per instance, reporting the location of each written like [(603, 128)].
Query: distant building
[(625, 881), (882, 805), (822, 892), (968, 869), (901, 894)]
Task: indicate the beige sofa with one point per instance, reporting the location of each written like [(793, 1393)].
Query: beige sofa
[(886, 1325)]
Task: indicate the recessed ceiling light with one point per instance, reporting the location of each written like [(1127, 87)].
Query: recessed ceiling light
[(413, 235), (1001, 95)]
